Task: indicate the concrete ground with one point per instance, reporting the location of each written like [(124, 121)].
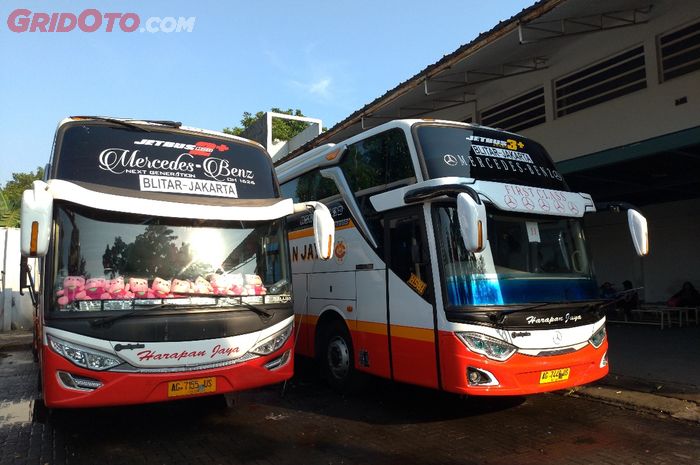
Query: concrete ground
[(651, 369)]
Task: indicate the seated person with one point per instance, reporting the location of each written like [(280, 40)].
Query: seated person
[(688, 296)]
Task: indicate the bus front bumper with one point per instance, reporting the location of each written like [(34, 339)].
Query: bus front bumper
[(124, 388), (520, 374)]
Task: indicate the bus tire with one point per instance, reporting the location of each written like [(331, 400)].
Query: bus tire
[(336, 357)]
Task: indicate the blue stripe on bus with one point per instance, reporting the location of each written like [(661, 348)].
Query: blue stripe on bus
[(461, 290)]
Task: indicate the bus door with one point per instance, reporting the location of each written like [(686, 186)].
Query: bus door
[(411, 308)]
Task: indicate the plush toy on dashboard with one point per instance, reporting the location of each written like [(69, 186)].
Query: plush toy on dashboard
[(221, 284), (73, 289), (139, 286), (95, 289), (202, 286), (238, 284), (161, 288), (118, 290), (180, 287), (254, 285)]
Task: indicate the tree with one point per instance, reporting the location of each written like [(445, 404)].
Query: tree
[(282, 129), (11, 196)]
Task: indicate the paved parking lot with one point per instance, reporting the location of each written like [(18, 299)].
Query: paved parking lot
[(383, 423)]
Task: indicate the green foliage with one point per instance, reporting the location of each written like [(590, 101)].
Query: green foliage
[(282, 129), (11, 196)]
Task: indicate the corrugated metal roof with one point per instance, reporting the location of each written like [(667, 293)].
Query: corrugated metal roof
[(504, 27)]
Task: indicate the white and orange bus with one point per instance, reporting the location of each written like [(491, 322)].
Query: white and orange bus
[(460, 262), (164, 264)]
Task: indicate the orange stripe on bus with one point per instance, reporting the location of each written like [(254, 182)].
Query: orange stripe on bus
[(405, 332), (410, 332)]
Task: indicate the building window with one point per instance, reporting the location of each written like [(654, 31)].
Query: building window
[(609, 79), (522, 112), (679, 51)]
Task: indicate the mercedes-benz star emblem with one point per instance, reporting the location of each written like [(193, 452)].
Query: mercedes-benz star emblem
[(510, 201), (556, 339), (450, 160), (528, 203)]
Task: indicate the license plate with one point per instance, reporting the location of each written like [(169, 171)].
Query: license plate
[(552, 376), (190, 387)]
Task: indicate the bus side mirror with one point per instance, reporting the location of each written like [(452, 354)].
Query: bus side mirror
[(35, 222), (639, 231), (324, 231), (472, 222)]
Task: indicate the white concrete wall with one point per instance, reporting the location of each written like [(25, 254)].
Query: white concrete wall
[(674, 256), (638, 116), (16, 311)]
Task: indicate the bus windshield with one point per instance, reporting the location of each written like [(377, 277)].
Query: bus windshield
[(528, 259), (109, 261)]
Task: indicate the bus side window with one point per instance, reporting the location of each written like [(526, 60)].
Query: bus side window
[(371, 165)]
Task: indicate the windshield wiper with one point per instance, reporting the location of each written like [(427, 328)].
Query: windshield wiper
[(120, 122), (105, 320), (257, 310)]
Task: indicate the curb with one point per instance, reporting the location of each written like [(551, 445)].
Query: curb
[(651, 403), (16, 340)]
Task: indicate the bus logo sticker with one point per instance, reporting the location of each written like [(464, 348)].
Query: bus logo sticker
[(339, 251), (510, 201), (527, 203), (417, 284), (204, 149), (573, 208), (450, 160), (544, 205)]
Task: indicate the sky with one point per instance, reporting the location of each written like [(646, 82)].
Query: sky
[(326, 58)]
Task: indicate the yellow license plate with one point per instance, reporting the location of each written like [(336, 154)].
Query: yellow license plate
[(552, 376), (190, 387)]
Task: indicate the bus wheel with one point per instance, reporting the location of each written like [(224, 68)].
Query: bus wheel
[(337, 357)]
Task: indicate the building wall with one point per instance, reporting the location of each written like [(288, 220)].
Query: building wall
[(674, 255), (15, 310)]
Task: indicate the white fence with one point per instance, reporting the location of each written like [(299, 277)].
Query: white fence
[(15, 310)]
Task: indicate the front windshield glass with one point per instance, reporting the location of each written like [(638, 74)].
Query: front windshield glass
[(111, 261), (527, 259)]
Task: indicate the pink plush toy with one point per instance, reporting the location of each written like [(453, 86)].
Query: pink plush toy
[(118, 290), (161, 288), (95, 289), (221, 283), (238, 284), (180, 287), (254, 285), (73, 289), (202, 286), (139, 286)]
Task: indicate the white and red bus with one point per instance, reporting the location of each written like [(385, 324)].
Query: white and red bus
[(164, 264), (460, 262)]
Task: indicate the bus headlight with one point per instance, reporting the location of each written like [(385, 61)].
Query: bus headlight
[(491, 347), (86, 358), (598, 337), (272, 343)]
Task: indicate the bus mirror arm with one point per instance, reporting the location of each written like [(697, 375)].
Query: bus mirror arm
[(636, 221), (324, 227), (25, 273)]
